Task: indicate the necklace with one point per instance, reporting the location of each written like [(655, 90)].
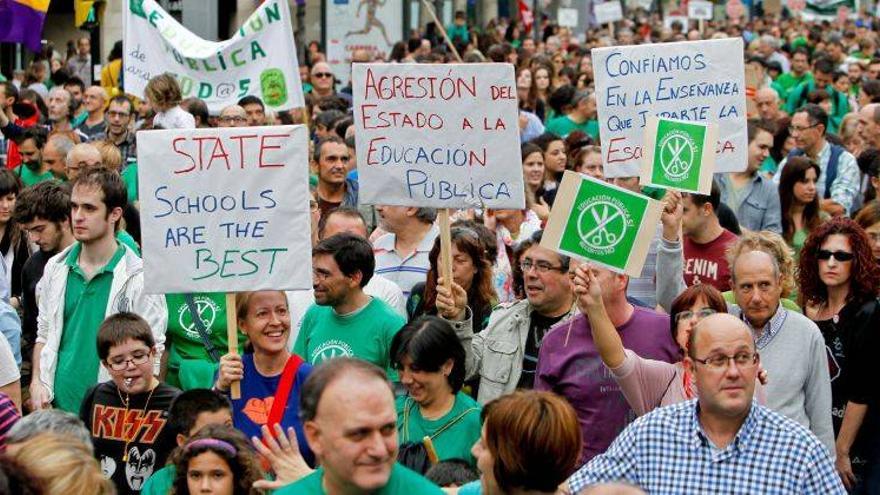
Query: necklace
[(126, 401)]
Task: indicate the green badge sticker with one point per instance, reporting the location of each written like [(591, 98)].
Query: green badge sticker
[(274, 87), (679, 155), (601, 223)]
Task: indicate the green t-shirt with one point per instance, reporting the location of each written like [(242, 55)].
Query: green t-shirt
[(453, 435), (130, 178), (161, 482), (366, 334), (787, 303), (29, 177), (787, 81), (563, 126), (189, 364), (401, 482), (85, 303)]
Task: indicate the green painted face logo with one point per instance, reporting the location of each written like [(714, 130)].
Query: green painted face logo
[(677, 153), (274, 87), (602, 224)]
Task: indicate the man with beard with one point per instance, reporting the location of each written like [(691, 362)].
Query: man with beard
[(119, 114), (331, 158), (30, 146), (344, 321), (43, 211)]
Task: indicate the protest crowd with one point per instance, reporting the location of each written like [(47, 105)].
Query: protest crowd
[(738, 361)]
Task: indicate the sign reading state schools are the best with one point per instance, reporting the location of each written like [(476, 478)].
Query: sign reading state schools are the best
[(602, 223), (699, 81), (259, 59), (225, 209), (443, 136)]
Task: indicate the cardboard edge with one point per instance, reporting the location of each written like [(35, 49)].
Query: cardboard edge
[(567, 194), (637, 257), (649, 143), (707, 168)]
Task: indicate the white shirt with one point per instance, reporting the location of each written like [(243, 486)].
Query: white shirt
[(175, 118)]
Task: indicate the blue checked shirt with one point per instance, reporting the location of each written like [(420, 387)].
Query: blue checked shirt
[(666, 451)]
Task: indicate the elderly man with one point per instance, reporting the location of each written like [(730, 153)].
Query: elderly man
[(350, 421), (767, 101), (79, 158), (232, 116), (792, 347), (721, 442), (769, 48), (869, 124), (95, 125), (505, 354), (55, 153)]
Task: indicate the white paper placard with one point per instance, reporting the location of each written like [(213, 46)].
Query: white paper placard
[(443, 136), (225, 209), (689, 80), (700, 9), (608, 12), (567, 17)]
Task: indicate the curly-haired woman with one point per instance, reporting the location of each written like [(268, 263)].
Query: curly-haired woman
[(838, 279), (217, 459)]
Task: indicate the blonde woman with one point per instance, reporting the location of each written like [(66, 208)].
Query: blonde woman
[(63, 464)]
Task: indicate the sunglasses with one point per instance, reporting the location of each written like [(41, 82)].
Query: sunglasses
[(322, 75), (825, 255)]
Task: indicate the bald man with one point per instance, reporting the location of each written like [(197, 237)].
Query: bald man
[(869, 124), (767, 101), (81, 157), (721, 442), (232, 116), (95, 125)]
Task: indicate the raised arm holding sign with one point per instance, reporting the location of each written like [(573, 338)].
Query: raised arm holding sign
[(225, 210)]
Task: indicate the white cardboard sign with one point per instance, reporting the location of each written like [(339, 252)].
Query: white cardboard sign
[(700, 81), (607, 12), (700, 9), (438, 135), (225, 209)]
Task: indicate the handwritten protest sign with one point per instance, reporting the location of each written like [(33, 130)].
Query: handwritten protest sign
[(608, 12), (260, 59), (679, 155), (225, 210), (698, 81), (700, 9), (599, 222), (443, 136)]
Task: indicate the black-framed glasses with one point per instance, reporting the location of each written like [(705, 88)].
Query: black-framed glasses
[(793, 128), (137, 359), (720, 361), (541, 266), (841, 256), (699, 314)]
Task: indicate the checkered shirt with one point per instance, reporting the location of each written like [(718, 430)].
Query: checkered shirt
[(667, 452)]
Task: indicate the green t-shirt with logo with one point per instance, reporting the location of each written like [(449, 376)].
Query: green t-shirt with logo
[(401, 482), (29, 177), (453, 434), (189, 364), (364, 334), (85, 304)]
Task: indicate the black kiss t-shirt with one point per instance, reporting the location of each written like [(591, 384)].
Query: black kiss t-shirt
[(144, 425)]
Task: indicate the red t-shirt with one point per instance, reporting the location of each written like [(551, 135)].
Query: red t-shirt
[(706, 263)]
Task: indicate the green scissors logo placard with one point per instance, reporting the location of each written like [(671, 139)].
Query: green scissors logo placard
[(679, 155), (602, 223)]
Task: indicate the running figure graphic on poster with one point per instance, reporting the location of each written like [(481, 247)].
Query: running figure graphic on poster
[(371, 20)]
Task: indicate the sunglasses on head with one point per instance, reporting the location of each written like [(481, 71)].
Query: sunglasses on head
[(825, 255)]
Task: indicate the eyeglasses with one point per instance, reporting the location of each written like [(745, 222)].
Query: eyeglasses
[(540, 266), (719, 362), (233, 119), (322, 75), (699, 314), (793, 128), (841, 256), (137, 359)]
